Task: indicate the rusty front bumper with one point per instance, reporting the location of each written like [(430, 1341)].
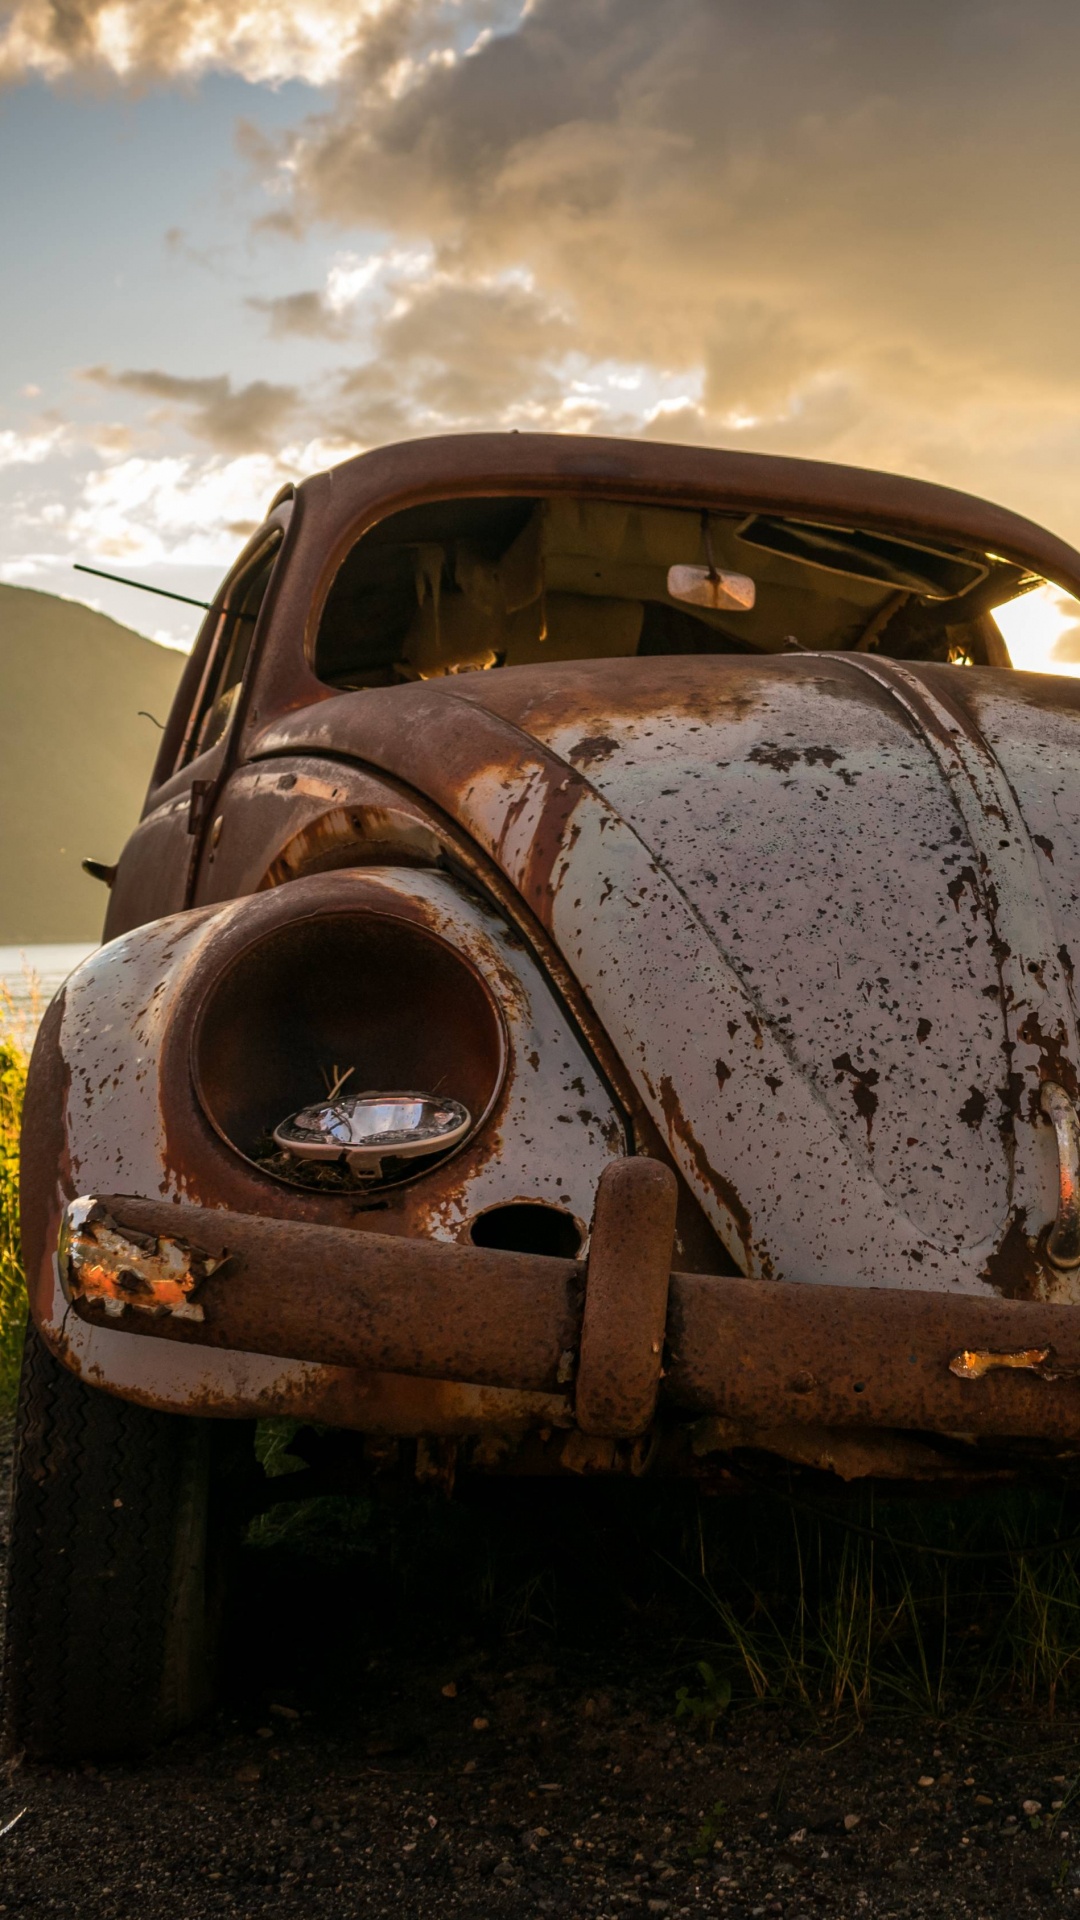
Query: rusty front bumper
[(617, 1332)]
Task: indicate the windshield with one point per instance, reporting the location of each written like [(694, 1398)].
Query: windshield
[(480, 584)]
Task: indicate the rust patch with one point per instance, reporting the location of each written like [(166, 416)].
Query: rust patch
[(1013, 1268), (923, 1031), (436, 1463), (864, 1080), (769, 754), (851, 1456), (554, 835), (1054, 1063), (588, 753), (721, 1186), (723, 1074), (588, 1453), (1045, 846), (1010, 1091), (974, 1108), (870, 1358), (353, 836), (626, 1297), (542, 699), (378, 1303), (955, 888)]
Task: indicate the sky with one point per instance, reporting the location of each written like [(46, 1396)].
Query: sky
[(242, 242)]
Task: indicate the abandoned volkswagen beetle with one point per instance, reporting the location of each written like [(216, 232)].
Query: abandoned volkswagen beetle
[(591, 991)]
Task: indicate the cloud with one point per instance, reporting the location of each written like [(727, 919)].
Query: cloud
[(306, 313), (435, 349), (235, 420), (472, 348), (449, 353), (818, 227), (845, 226), (133, 40), (29, 449), (188, 509), (748, 186)]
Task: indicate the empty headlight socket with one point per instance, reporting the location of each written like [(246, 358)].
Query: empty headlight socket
[(314, 996)]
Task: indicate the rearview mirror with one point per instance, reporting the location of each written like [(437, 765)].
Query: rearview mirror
[(708, 587)]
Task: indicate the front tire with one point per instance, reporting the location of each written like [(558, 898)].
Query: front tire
[(116, 1567)]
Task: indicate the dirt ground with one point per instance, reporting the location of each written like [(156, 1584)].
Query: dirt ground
[(415, 1758)]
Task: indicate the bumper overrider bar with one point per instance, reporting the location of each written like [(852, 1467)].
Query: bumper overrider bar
[(618, 1331)]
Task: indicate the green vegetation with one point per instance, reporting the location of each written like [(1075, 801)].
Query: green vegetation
[(704, 1708), (12, 1280), (331, 1530), (709, 1833)]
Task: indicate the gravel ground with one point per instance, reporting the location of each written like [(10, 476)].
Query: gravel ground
[(369, 1765)]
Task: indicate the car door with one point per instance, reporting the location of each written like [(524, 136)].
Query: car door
[(156, 870)]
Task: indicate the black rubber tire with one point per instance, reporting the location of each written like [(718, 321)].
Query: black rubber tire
[(117, 1567)]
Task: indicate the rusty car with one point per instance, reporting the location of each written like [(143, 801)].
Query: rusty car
[(592, 991)]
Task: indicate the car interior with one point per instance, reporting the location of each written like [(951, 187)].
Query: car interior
[(466, 585)]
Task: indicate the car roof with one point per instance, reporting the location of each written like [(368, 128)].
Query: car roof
[(389, 478)]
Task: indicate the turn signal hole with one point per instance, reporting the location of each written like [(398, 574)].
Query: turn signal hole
[(528, 1226)]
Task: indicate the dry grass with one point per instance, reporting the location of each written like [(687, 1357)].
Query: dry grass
[(12, 1279), (844, 1605), (861, 1603)]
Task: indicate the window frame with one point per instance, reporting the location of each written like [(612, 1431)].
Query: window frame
[(226, 615), (176, 753)]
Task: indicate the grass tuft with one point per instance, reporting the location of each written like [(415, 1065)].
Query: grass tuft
[(928, 1604)]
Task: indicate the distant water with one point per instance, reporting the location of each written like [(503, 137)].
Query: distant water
[(29, 976)]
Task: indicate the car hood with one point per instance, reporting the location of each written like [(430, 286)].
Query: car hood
[(824, 907)]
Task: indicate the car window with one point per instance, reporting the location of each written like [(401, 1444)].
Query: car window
[(479, 584), (1042, 630), (233, 618)]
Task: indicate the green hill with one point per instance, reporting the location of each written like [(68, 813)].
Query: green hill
[(75, 757)]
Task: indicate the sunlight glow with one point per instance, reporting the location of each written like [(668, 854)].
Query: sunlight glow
[(184, 510), (1034, 629), (274, 41)]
